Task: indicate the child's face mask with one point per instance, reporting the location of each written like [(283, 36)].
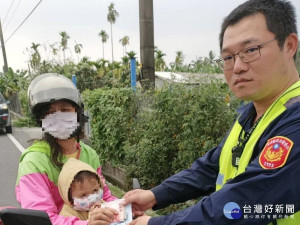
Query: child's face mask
[(84, 204), (60, 125)]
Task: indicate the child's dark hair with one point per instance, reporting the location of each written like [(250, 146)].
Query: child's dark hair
[(80, 177)]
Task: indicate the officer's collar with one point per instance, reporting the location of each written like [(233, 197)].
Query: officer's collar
[(247, 112)]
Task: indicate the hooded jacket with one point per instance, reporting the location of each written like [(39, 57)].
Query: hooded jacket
[(70, 169)]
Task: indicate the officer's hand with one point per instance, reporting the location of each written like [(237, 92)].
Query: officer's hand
[(141, 201), (142, 220)]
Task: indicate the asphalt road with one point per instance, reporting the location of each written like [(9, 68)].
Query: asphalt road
[(11, 146)]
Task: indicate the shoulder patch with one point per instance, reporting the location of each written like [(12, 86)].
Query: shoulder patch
[(275, 152)]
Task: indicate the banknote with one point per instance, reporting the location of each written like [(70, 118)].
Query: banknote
[(125, 212)]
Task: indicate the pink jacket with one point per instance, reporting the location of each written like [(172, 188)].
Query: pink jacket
[(36, 186)]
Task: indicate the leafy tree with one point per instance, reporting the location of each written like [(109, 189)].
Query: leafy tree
[(54, 50), (86, 75), (131, 54), (179, 60), (125, 62), (35, 57), (111, 17), (45, 67), (159, 61), (10, 85), (85, 59), (124, 41), (116, 67), (64, 43), (211, 56), (104, 36), (103, 69), (77, 49)]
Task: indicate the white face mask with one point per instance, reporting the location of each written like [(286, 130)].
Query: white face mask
[(60, 125), (84, 204)]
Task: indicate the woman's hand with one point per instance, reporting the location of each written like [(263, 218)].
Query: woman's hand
[(102, 216)]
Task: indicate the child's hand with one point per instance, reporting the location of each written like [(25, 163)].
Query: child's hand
[(102, 216), (96, 205)]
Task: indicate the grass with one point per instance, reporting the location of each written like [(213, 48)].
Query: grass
[(119, 193), (24, 122)]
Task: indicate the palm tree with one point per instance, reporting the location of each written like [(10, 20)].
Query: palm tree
[(125, 62), (54, 49), (131, 54), (125, 59), (159, 61), (64, 43), (104, 36), (197, 65), (116, 68), (35, 57), (111, 17), (103, 67), (179, 60), (124, 41), (211, 56), (77, 49)]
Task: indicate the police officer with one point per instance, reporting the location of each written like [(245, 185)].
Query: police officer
[(253, 172)]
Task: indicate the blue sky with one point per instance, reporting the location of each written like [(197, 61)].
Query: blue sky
[(191, 26)]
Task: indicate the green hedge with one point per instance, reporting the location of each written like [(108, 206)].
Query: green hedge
[(113, 113), (155, 134)]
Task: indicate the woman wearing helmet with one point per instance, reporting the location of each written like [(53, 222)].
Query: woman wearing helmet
[(56, 105)]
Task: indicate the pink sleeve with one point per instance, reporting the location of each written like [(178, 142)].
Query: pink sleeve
[(36, 191), (107, 196)]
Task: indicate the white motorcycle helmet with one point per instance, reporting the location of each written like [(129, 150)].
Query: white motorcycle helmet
[(51, 87)]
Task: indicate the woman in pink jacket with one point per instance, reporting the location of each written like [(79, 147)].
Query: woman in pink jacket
[(56, 104)]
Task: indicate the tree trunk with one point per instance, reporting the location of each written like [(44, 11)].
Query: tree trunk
[(15, 104), (112, 45), (103, 49), (147, 43)]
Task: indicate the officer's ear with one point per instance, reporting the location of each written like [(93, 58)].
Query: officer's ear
[(291, 45)]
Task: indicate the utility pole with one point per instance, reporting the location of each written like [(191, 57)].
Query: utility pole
[(147, 41), (5, 67)]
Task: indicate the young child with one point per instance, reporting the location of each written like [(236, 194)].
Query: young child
[(80, 187)]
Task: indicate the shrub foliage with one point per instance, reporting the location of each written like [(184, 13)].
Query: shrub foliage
[(155, 134), (112, 112)]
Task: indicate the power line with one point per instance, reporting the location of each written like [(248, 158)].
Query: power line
[(6, 25), (23, 21), (8, 11)]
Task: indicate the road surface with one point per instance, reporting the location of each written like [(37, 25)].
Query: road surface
[(11, 146)]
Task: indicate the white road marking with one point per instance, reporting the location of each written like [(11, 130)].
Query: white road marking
[(17, 144)]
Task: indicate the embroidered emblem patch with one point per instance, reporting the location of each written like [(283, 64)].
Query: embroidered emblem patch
[(275, 152)]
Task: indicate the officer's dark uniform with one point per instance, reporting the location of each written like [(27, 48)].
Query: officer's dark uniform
[(265, 181)]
